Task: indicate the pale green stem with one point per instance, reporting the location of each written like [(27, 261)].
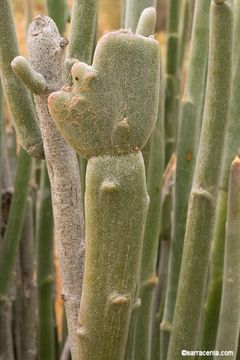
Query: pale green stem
[(15, 223), (202, 203), (229, 319), (18, 97)]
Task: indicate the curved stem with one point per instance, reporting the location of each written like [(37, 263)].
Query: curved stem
[(17, 96)]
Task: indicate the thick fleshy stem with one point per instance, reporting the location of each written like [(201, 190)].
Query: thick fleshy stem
[(45, 270), (18, 97), (15, 224), (81, 44), (190, 124), (46, 57), (201, 211), (109, 128), (229, 318)]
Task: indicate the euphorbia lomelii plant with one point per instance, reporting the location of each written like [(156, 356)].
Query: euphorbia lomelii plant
[(107, 115)]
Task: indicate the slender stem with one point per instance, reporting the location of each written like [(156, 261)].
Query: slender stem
[(2, 130), (57, 10), (82, 31), (229, 319), (28, 324), (190, 125), (165, 238), (147, 22), (201, 212), (148, 278), (6, 336), (171, 77), (183, 33), (15, 223), (17, 96), (45, 270), (134, 8), (231, 148)]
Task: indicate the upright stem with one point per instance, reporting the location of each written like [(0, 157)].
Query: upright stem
[(45, 270), (134, 9), (57, 10), (15, 223), (27, 252), (171, 78), (190, 125), (6, 336), (62, 168), (201, 212), (148, 278), (83, 29), (2, 130), (231, 148), (229, 319), (81, 43), (17, 96)]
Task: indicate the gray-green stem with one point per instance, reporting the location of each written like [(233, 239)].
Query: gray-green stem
[(202, 203)]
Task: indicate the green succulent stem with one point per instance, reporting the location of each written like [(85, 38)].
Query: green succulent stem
[(28, 301), (183, 32), (34, 81), (229, 319), (171, 78), (81, 44), (57, 10), (113, 181), (147, 21), (201, 210), (214, 294), (45, 270), (190, 124), (148, 277), (231, 148), (15, 223), (2, 133), (109, 128), (83, 29), (17, 96), (134, 9)]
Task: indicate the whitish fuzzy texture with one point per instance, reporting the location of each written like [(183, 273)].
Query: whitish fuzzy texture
[(46, 56), (107, 116), (105, 111)]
